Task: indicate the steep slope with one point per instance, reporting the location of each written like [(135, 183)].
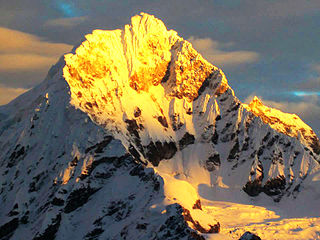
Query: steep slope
[(62, 176), (163, 100), (128, 131), (289, 124)]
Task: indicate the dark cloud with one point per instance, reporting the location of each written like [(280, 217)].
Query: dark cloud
[(25, 58), (311, 85), (65, 22), (7, 94), (211, 50)]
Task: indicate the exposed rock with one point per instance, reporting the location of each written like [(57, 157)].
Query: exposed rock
[(51, 230), (215, 137), (101, 145), (315, 145), (141, 226), (14, 211), (25, 218), (37, 182), (206, 83), (274, 186), (133, 127), (249, 236), (94, 234), (57, 202), (137, 171), (78, 197), (234, 151), (8, 228), (186, 140), (119, 210), (235, 107), (90, 97), (253, 188), (245, 145), (189, 111), (163, 121), (266, 137), (289, 124), (137, 112), (133, 151), (167, 74), (90, 167), (14, 157), (213, 228), (176, 227), (158, 151), (175, 122), (74, 162), (213, 162), (197, 205)]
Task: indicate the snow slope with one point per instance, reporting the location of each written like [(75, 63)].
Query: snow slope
[(131, 129)]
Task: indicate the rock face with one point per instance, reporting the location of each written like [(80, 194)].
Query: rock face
[(249, 236), (126, 125), (289, 124), (163, 100)]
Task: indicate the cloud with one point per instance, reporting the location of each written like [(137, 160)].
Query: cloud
[(305, 93), (316, 67), (65, 22), (297, 7), (21, 51), (19, 62), (7, 94), (211, 51), (311, 85)]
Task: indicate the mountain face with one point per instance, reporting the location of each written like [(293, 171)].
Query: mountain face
[(129, 131)]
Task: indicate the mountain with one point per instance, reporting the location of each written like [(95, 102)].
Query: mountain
[(133, 134)]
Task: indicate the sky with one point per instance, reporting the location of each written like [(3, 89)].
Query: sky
[(267, 48)]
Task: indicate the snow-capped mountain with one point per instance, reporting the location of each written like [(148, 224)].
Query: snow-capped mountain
[(129, 131)]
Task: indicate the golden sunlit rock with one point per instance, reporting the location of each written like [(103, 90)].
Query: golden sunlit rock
[(134, 135), (110, 64), (289, 124)]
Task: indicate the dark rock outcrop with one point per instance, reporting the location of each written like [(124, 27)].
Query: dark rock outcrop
[(137, 112), (213, 228), (163, 121), (213, 162), (176, 227), (186, 140), (253, 188), (51, 230), (101, 145), (78, 198), (197, 205), (160, 150), (94, 234), (274, 186), (8, 228), (249, 236)]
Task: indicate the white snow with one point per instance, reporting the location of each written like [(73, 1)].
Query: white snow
[(47, 136)]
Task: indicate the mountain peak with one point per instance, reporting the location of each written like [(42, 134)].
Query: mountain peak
[(287, 123), (142, 55), (144, 62), (146, 130), (255, 102), (113, 73)]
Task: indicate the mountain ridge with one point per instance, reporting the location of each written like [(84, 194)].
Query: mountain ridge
[(104, 130)]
